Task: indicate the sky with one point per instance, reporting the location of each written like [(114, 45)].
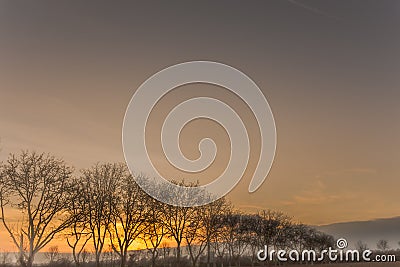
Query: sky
[(329, 70)]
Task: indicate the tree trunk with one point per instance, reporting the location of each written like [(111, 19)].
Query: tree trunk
[(164, 256), (76, 260), (178, 253), (97, 259), (29, 262), (153, 259), (21, 260), (123, 259), (208, 252), (194, 262)]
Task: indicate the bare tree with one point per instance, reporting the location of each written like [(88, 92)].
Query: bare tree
[(154, 231), (195, 236), (176, 218), (36, 184), (99, 186), (128, 215), (52, 253), (382, 245), (220, 249), (78, 234), (176, 223), (251, 230), (297, 236), (273, 227), (210, 216), (361, 246), (322, 241), (232, 235)]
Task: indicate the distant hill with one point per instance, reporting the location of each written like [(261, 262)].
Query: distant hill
[(367, 231)]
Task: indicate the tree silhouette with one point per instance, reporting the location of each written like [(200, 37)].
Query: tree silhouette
[(154, 231), (99, 187), (177, 220), (128, 215), (382, 245), (78, 234), (361, 246), (37, 183), (106, 208)]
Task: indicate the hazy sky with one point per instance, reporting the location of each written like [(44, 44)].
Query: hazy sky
[(329, 69)]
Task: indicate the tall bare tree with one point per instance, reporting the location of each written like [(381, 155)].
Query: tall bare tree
[(154, 231), (176, 223), (272, 227), (78, 234), (177, 219), (233, 236), (99, 186), (36, 185), (250, 231), (211, 216), (195, 237), (128, 215)]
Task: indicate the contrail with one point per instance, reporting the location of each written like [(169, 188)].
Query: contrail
[(315, 10)]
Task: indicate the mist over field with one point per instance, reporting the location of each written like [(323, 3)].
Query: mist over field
[(370, 232)]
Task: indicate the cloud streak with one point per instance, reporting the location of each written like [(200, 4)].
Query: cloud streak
[(316, 10)]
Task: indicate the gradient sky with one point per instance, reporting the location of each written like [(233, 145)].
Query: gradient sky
[(329, 69)]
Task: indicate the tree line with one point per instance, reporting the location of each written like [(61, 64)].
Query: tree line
[(103, 206)]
